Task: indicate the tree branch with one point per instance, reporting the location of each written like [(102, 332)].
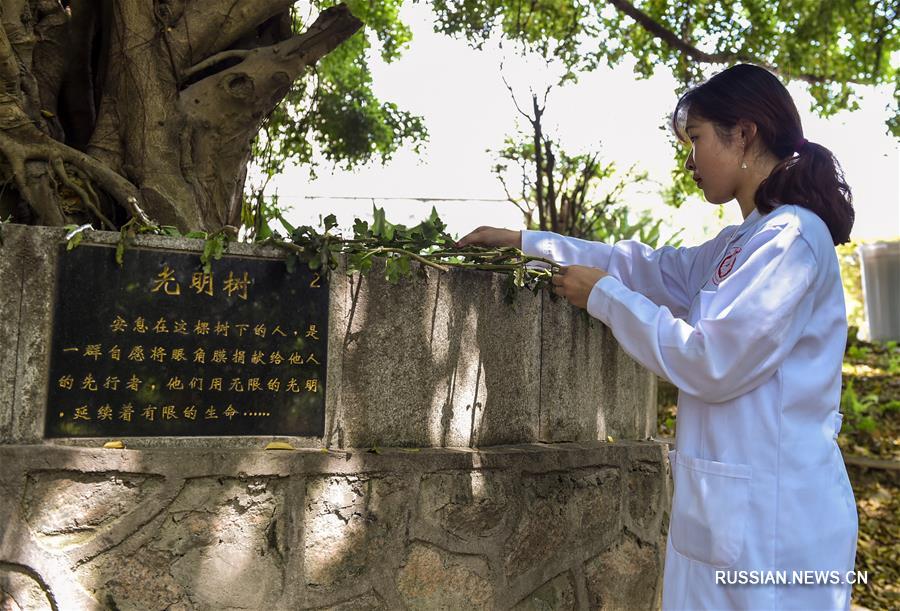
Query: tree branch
[(50, 56), (251, 88), (538, 162), (551, 185), (224, 110), (674, 41), (513, 95), (511, 199), (666, 35), (211, 61), (209, 26), (9, 68)]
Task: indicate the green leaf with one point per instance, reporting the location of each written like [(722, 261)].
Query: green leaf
[(391, 270), (378, 222), (858, 353), (264, 232), (120, 251), (74, 241), (330, 222), (366, 266), (212, 249), (360, 229), (403, 265), (284, 223)]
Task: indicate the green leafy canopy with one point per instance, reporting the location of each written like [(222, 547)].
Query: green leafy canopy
[(334, 110), (335, 115), (831, 45)]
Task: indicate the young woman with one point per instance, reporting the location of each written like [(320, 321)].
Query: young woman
[(751, 327)]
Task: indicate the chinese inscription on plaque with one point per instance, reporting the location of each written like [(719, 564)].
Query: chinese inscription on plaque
[(162, 347)]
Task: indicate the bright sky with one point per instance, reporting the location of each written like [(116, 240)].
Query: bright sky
[(467, 110)]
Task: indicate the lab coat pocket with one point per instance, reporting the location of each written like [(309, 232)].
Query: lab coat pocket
[(709, 510)]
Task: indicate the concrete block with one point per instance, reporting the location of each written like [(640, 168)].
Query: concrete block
[(12, 276), (35, 254), (631, 398), (646, 485), (573, 373), (436, 362), (590, 388)]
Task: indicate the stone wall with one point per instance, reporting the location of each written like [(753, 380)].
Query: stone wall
[(466, 464), (530, 526), (442, 362)]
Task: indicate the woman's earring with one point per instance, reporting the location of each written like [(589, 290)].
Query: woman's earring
[(743, 165)]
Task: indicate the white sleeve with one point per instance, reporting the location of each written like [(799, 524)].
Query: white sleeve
[(667, 276), (746, 327)]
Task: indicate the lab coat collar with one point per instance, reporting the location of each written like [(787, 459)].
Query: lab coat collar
[(751, 218), (749, 222)]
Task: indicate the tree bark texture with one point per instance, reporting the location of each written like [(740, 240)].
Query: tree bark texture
[(111, 109)]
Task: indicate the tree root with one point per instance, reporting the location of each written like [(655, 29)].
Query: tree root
[(87, 196), (38, 147)]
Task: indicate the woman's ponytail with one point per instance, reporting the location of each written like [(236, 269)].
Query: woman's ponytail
[(813, 179)]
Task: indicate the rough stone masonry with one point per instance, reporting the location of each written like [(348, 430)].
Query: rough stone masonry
[(465, 464)]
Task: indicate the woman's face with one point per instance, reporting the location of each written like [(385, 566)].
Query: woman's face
[(714, 164)]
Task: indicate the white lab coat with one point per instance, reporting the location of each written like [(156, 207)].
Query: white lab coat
[(751, 328)]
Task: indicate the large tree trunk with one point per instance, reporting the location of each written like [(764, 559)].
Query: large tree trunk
[(112, 109)]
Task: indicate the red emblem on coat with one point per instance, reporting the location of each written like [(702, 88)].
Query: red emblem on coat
[(726, 265)]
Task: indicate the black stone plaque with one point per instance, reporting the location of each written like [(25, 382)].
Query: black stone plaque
[(158, 347)]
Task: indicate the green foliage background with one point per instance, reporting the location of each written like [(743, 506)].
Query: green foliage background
[(833, 46)]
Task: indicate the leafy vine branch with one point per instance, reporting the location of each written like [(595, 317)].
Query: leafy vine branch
[(427, 243)]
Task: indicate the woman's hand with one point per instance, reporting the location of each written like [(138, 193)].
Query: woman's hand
[(575, 283), (492, 236)]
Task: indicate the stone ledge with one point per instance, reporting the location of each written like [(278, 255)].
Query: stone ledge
[(195, 462)]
